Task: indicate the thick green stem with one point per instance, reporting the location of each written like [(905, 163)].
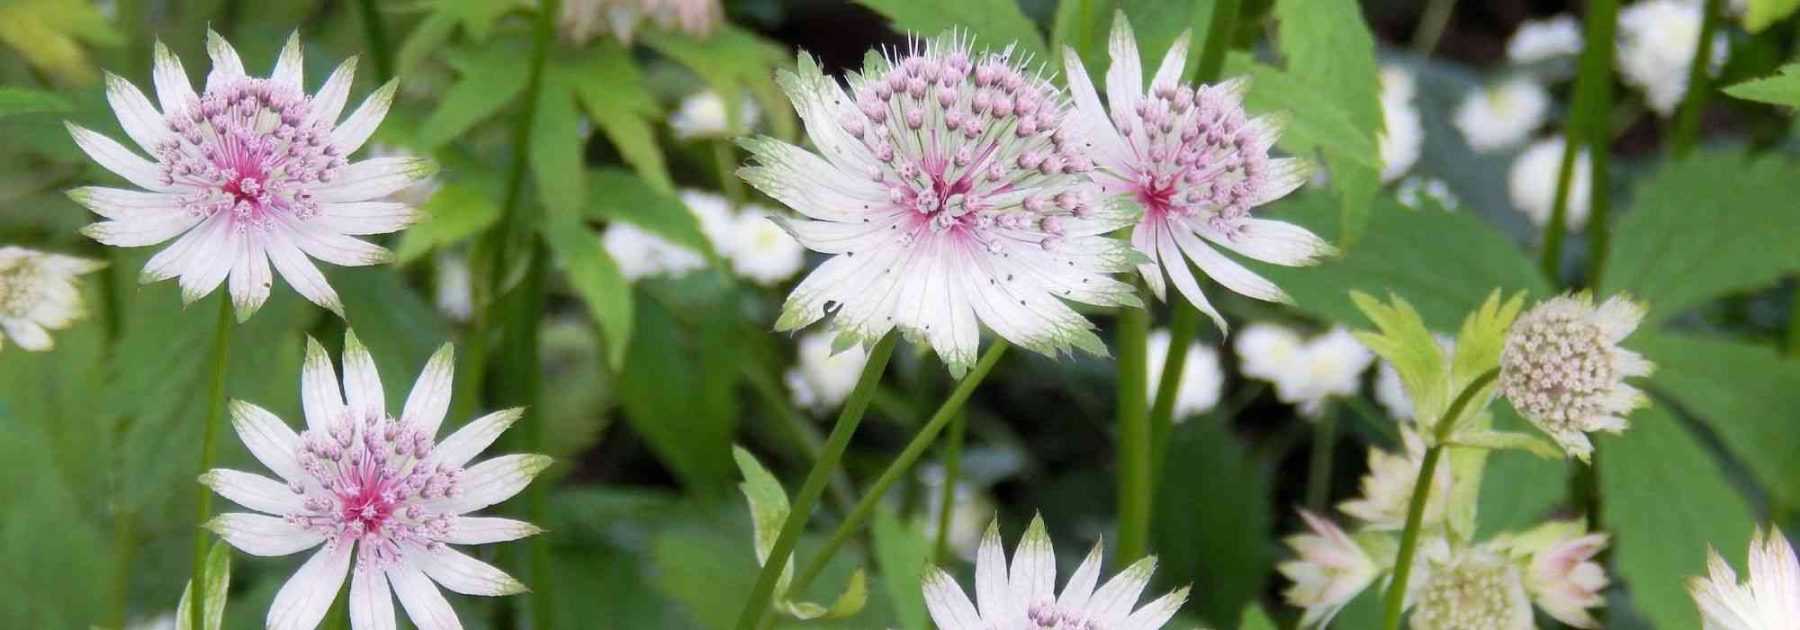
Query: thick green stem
[(1431, 26), (847, 421), (375, 33), (1133, 458), (902, 463), (1318, 471), (1211, 55), (1184, 322), (1586, 129), (1415, 511), (959, 424), (1687, 118), (209, 437), (799, 429)]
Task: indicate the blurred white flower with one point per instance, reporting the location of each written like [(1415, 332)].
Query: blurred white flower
[(948, 196), (1532, 184), (642, 254), (1024, 596), (39, 293), (1562, 368), (969, 509), (1502, 115), (1268, 351), (820, 379), (1414, 191), (1402, 134), (1197, 164), (1329, 571), (1388, 488), (1202, 379), (362, 480), (164, 621), (1473, 588), (1657, 41), (760, 250), (455, 293), (1770, 597), (1543, 40), (1565, 580), (1305, 373), (703, 116), (582, 20), (254, 171)]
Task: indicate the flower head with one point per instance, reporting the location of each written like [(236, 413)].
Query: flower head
[(1402, 133), (823, 376), (38, 294), (1500, 116), (581, 20), (1767, 600), (1543, 40), (1305, 372), (1657, 42), (1563, 369), (704, 115), (1532, 184), (949, 194), (362, 480), (1388, 488), (1202, 379), (759, 249), (1024, 595), (1472, 588), (1329, 572), (642, 254), (1565, 581), (251, 172), (1197, 163)]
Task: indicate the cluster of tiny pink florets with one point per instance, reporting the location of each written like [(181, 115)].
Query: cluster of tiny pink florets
[(249, 147), (375, 484), (1205, 156)]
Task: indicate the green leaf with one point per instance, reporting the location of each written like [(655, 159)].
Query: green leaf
[(620, 196), (1255, 619), (400, 328), (768, 502), (1745, 394), (1763, 13), (848, 603), (490, 78), (1505, 440), (731, 61), (1402, 339), (1518, 489), (1157, 24), (15, 100), (556, 146), (218, 586), (51, 35), (1780, 89), (901, 552), (595, 277), (453, 213), (1666, 502), (667, 400), (996, 24), (1200, 528), (1690, 239), (1444, 264), (607, 83), (1328, 46), (1314, 124), (1081, 25), (477, 17)]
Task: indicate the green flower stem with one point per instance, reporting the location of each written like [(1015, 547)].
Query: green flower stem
[(1431, 26), (764, 591), (1415, 511), (725, 161), (799, 429), (1184, 322), (952, 468), (1587, 128), (209, 437), (1210, 61), (901, 464), (1318, 470), (1687, 118), (1133, 459), (375, 33)]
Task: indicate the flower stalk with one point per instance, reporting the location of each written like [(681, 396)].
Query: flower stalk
[(1586, 129), (1415, 510), (1687, 118), (209, 437), (763, 593), (947, 500), (1134, 436), (1318, 470)]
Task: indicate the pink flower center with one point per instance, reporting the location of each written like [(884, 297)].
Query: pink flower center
[(1196, 153), (375, 481), (249, 147)]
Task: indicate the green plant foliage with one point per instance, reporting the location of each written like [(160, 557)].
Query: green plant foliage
[(994, 23), (1688, 240), (734, 61), (50, 34), (1746, 394), (490, 79), (616, 195), (1666, 502), (669, 401), (612, 91), (28, 101), (1200, 526), (454, 213), (1760, 14), (901, 554), (475, 17), (1779, 89), (218, 586), (1328, 46), (595, 277)]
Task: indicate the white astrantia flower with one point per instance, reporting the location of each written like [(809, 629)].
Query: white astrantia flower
[(970, 507), (1562, 368), (1657, 41), (454, 286), (1267, 351), (1402, 134), (581, 20), (250, 173), (1202, 378), (950, 194), (1472, 588), (761, 250), (1329, 570), (164, 621), (361, 481), (821, 379), (1531, 184), (1305, 372), (1543, 40), (702, 115), (1023, 595), (1502, 115), (1197, 164), (39, 293), (642, 254), (1388, 488), (1565, 580), (1769, 599)]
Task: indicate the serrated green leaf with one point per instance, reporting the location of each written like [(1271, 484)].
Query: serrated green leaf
[(1401, 338), (1314, 124), (1745, 394), (996, 24), (453, 213), (489, 79), (620, 196), (595, 277), (1782, 88), (1689, 239), (476, 17), (1763, 13), (1327, 44), (1665, 502), (768, 501), (901, 552), (16, 100), (609, 87)]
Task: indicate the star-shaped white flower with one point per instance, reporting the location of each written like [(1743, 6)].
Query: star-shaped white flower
[(1563, 369), (1768, 600), (1024, 594), (359, 481), (1330, 570), (39, 293), (252, 172)]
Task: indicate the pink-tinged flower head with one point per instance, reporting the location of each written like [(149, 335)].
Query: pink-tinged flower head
[(250, 173), (1197, 164), (1768, 600), (1563, 369), (1388, 488), (39, 293), (949, 193), (360, 479), (1565, 580), (1330, 571)]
